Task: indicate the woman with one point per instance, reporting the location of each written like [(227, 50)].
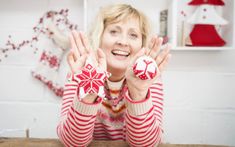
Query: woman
[(131, 109)]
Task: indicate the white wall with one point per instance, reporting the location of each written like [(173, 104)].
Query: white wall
[(199, 85), (24, 101)]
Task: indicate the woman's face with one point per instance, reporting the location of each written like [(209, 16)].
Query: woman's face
[(120, 42)]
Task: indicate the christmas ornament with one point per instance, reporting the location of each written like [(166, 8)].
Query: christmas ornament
[(47, 70), (212, 2), (145, 68), (91, 80), (205, 19), (205, 35), (206, 14), (39, 30)]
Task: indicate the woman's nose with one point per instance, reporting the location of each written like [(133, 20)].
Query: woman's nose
[(122, 40)]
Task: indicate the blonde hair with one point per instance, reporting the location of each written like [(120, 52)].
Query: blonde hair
[(114, 14)]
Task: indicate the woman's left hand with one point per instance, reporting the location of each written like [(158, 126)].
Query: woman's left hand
[(138, 88)]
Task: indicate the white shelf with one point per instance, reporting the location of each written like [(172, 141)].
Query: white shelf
[(202, 48)]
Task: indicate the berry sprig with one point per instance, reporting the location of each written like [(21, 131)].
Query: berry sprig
[(59, 17)]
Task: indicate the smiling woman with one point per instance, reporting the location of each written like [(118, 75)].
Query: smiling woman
[(130, 108), (120, 42)]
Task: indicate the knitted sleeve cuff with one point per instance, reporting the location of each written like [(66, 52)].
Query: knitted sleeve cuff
[(87, 108), (138, 107), (70, 77)]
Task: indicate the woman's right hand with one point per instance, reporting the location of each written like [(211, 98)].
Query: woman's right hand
[(80, 51)]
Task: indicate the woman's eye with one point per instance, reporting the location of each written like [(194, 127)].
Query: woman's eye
[(133, 35), (113, 32)]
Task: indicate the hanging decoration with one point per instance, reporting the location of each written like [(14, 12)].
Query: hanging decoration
[(39, 30), (205, 19), (210, 2), (55, 26), (91, 80), (47, 69)]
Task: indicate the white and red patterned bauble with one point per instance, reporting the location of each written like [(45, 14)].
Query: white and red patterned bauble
[(145, 68), (91, 80)]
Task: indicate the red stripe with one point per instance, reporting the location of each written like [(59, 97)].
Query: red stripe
[(79, 131), (71, 85), (67, 139), (89, 121), (157, 84), (157, 93), (66, 103), (158, 107), (139, 128), (108, 134), (107, 138), (83, 115), (101, 124), (136, 142), (157, 98), (140, 119), (77, 127), (75, 137), (69, 94), (106, 129), (73, 88), (142, 134), (76, 141), (153, 87), (157, 102), (59, 132)]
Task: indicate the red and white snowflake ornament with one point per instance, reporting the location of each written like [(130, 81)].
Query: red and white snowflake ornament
[(145, 68), (91, 80)]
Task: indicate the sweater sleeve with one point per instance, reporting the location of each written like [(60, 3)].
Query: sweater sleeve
[(77, 120), (144, 118)]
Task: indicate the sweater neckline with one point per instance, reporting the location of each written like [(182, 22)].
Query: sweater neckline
[(115, 85)]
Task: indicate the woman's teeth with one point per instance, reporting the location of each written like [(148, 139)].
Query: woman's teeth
[(120, 53)]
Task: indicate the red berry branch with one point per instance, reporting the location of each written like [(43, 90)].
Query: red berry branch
[(60, 17)]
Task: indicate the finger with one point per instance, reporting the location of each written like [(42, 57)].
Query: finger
[(164, 63), (101, 59), (74, 65), (84, 42), (79, 44), (162, 55), (152, 42), (156, 47), (74, 47), (139, 54), (150, 45), (70, 60), (82, 61)]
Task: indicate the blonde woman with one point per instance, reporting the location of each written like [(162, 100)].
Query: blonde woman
[(131, 109)]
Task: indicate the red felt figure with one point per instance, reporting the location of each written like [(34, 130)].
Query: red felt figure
[(204, 32), (205, 35), (211, 2)]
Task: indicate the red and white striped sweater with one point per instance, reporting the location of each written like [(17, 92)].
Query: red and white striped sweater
[(137, 123)]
